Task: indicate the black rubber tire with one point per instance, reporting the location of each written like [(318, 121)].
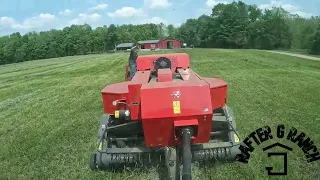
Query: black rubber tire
[(93, 162)]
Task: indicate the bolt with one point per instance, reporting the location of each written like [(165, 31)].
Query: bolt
[(171, 163)]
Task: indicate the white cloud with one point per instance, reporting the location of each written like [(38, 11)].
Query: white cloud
[(65, 12), (38, 21), (155, 20), (7, 22), (126, 12), (288, 7), (86, 18), (32, 23), (212, 3), (99, 7), (157, 4), (209, 4), (303, 14)]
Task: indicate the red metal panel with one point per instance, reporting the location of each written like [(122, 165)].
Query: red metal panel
[(163, 117), (107, 100), (149, 45), (145, 62), (162, 94), (118, 91), (218, 91), (163, 43), (179, 60), (164, 75), (114, 92), (176, 44), (141, 77), (191, 122), (134, 101), (158, 132), (188, 74), (162, 132)]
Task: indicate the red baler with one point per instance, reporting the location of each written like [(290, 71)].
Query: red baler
[(165, 114)]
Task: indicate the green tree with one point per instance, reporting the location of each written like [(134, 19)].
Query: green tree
[(315, 48), (171, 30), (233, 25)]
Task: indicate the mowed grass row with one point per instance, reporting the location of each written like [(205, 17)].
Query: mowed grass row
[(50, 110)]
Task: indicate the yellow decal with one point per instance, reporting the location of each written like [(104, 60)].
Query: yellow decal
[(236, 138), (116, 114), (176, 107), (100, 146)]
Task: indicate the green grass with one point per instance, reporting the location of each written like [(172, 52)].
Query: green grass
[(300, 51), (50, 110)]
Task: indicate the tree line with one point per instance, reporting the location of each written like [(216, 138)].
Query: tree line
[(233, 25)]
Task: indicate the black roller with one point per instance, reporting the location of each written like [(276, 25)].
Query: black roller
[(186, 140)]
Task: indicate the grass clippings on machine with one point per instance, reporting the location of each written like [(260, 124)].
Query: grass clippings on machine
[(167, 112)]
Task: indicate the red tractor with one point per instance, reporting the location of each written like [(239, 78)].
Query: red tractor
[(166, 113)]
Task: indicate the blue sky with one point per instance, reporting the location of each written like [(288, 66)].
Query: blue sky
[(37, 15)]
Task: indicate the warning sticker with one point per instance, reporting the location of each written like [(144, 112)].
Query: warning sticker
[(176, 107), (116, 114), (236, 138), (100, 146)]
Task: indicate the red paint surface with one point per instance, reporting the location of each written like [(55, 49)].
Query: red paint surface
[(154, 101), (149, 45), (162, 44), (188, 75), (218, 91), (161, 93), (164, 75), (134, 101), (178, 60)]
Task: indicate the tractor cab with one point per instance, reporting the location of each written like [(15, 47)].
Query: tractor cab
[(159, 61)]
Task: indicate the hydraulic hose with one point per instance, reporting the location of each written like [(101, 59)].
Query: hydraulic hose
[(186, 140)]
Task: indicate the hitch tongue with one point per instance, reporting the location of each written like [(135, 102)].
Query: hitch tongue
[(187, 157)]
